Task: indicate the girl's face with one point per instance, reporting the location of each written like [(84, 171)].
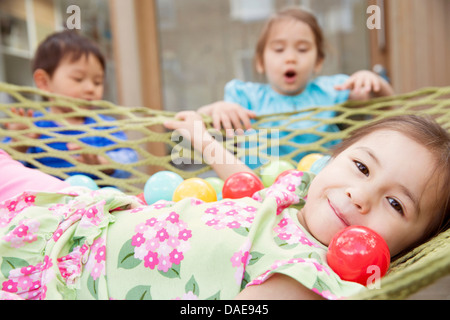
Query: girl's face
[(290, 57), (384, 181)]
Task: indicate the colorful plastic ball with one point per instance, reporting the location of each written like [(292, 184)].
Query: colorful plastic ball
[(272, 170), (241, 185), (141, 197), (161, 186), (319, 164), (307, 161), (284, 173), (217, 184), (358, 253), (80, 180), (195, 188)]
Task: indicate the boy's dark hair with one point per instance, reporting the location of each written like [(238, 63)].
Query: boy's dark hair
[(60, 45)]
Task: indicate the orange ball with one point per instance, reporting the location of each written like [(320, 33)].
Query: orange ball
[(195, 188)]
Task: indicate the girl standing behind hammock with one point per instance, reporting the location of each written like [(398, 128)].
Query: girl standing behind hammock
[(290, 52)]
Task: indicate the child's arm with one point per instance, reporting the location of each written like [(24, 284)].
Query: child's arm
[(21, 126), (228, 115), (278, 287), (365, 85), (191, 126)]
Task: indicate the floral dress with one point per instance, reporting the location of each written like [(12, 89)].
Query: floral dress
[(81, 244)]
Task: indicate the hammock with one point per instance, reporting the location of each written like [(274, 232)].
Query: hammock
[(159, 149)]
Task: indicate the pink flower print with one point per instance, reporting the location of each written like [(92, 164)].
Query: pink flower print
[(291, 187), (173, 242), (151, 260), (21, 231), (92, 212), (173, 217), (101, 254), (151, 222), (141, 228), (284, 236), (185, 234), (176, 256), (58, 233), (236, 259), (12, 205), (164, 243), (152, 244), (231, 213), (10, 286), (228, 203), (24, 233), (25, 283), (234, 225), (283, 222), (250, 209), (306, 241), (212, 222), (212, 210), (164, 263), (29, 199), (28, 270), (162, 235), (137, 240), (97, 271)]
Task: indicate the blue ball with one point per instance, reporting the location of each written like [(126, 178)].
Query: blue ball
[(80, 180), (161, 186)]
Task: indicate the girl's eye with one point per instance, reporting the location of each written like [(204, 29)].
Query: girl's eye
[(396, 205), (362, 167), (303, 49)]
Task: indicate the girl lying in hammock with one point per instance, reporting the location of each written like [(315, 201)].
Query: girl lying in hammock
[(391, 176)]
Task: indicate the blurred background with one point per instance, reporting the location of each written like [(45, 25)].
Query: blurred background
[(179, 54)]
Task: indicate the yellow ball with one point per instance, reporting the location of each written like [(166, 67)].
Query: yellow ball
[(195, 188), (307, 161)]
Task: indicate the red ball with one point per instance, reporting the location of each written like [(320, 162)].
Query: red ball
[(358, 253), (285, 173), (141, 197), (241, 185)]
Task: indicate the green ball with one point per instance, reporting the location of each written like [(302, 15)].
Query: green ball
[(272, 170), (217, 184)]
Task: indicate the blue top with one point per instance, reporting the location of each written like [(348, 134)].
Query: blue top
[(263, 100), (120, 155)]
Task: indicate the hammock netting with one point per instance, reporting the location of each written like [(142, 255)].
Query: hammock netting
[(159, 149)]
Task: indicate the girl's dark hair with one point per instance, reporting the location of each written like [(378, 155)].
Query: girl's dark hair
[(425, 131), (60, 45)]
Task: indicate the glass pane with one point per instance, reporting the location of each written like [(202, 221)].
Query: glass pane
[(205, 44)]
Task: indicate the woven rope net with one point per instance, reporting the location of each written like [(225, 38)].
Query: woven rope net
[(158, 149)]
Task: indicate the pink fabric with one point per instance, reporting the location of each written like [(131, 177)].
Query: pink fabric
[(15, 178)]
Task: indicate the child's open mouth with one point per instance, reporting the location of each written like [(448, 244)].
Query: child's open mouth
[(290, 76)]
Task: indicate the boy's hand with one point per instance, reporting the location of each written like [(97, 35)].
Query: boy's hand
[(365, 83), (228, 116), (21, 126)]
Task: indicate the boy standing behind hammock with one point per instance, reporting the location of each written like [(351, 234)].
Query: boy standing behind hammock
[(71, 65)]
